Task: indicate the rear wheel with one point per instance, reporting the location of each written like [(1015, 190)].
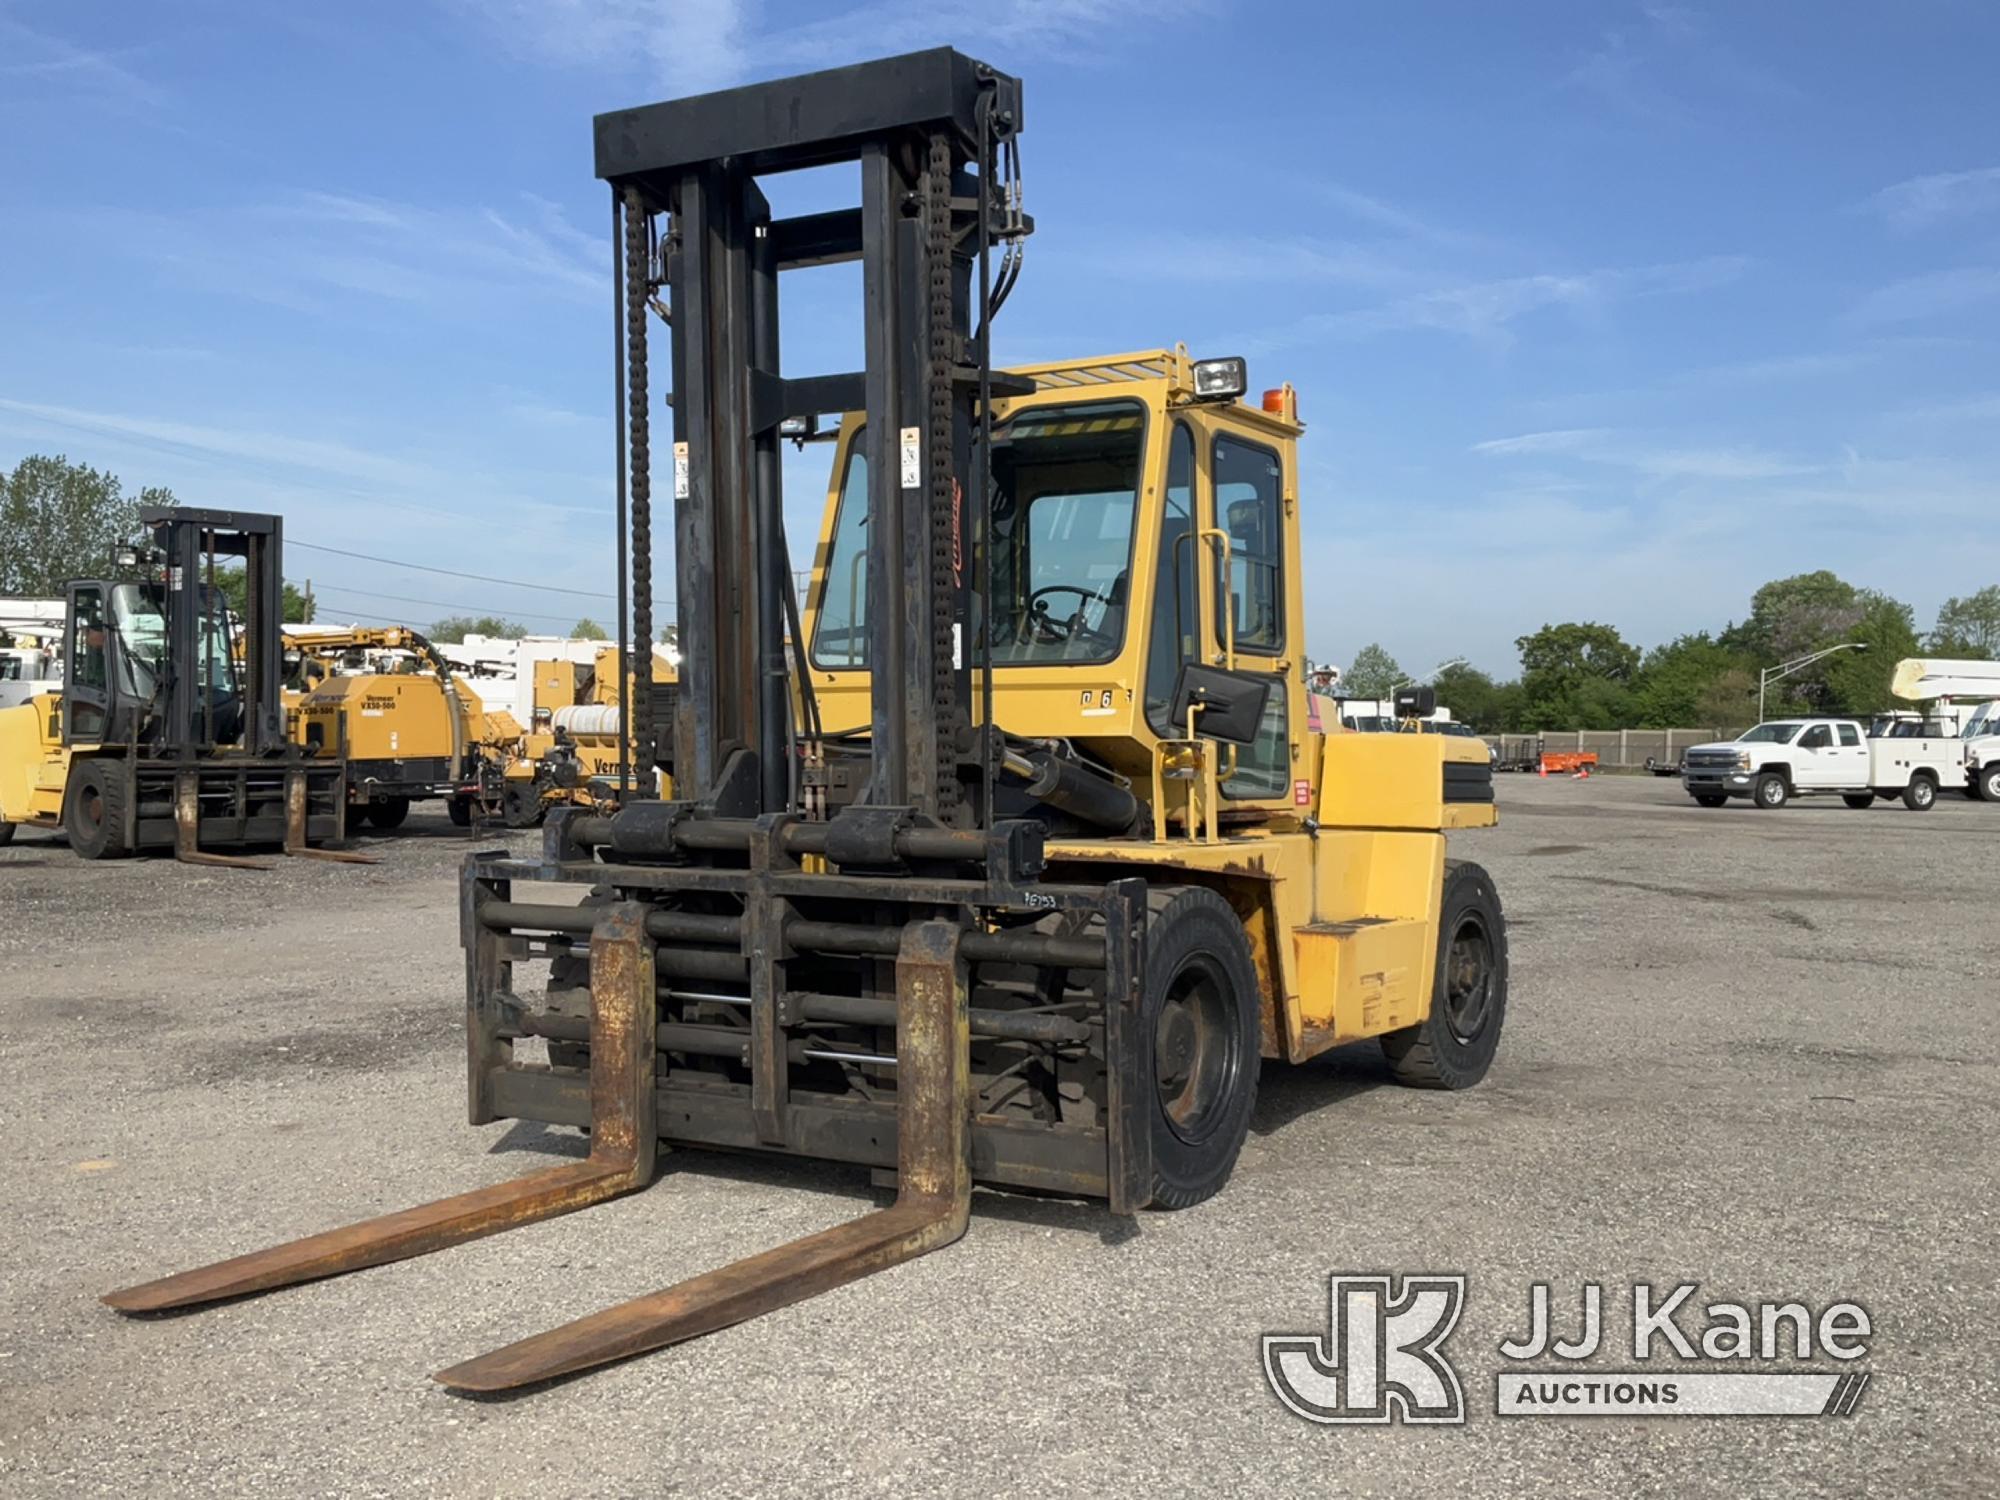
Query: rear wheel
[(6, 834), (388, 813), (94, 817), (460, 811), (1201, 1011), (1920, 794), (1772, 792), (1453, 1046), (1858, 799), (1710, 799)]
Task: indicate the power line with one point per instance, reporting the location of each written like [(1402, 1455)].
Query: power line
[(470, 609), (391, 562)]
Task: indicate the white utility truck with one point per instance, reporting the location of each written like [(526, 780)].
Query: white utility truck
[(1966, 695), (1803, 757)]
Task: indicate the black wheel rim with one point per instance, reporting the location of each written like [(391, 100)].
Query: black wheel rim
[(1469, 978), (1197, 1051)]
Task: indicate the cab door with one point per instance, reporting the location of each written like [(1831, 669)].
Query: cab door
[(1851, 754), (1247, 517), (1817, 765), (89, 672)]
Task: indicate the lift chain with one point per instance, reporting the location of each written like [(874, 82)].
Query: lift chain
[(946, 505), (638, 290)]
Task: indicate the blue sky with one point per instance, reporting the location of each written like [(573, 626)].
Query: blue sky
[(1597, 310)]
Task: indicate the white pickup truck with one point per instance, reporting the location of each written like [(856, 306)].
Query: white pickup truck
[(1787, 758)]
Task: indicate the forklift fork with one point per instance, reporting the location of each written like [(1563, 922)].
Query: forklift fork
[(295, 828), (933, 1199), (933, 1202), (187, 825), (623, 1142)]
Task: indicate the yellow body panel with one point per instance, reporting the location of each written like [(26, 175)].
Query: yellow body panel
[(34, 762), (400, 716), (1338, 878)]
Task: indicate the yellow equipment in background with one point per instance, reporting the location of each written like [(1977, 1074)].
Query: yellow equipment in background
[(413, 730), (570, 755)]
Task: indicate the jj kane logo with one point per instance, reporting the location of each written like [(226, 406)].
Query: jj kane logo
[(1382, 1357)]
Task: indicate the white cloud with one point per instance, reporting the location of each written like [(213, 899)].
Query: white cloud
[(1921, 202), (1565, 440), (1486, 310), (1597, 445), (36, 55), (690, 46), (1932, 295)]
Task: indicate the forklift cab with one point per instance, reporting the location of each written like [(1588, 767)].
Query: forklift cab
[(150, 660), (1143, 521), (116, 664)]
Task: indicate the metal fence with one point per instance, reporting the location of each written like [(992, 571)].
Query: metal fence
[(1614, 747)]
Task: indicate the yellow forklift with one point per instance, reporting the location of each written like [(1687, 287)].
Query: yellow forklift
[(168, 733), (1007, 859)]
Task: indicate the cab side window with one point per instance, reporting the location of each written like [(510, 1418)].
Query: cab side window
[(1175, 610), (1849, 735), (1819, 737), (1249, 507), (86, 659)]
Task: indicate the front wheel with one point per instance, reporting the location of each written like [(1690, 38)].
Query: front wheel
[(459, 810), (1920, 794), (1988, 783), (1858, 799), (6, 834), (1710, 799), (1453, 1046), (94, 816), (1202, 1011), (1771, 791)]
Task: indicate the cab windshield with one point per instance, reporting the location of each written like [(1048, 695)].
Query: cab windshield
[(1063, 505), (1768, 734), (138, 613), (1985, 720)]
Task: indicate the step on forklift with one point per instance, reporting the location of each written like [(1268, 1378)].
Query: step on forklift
[(164, 733), (1012, 856)]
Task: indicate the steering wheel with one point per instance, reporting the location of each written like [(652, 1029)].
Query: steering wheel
[(1041, 618)]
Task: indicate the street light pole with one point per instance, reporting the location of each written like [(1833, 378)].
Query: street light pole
[(1785, 669)]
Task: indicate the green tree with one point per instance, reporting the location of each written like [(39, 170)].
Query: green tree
[(455, 628), (1474, 698), (1576, 676), (1674, 680), (1372, 674), (234, 585), (1968, 626), (587, 629), (1857, 682), (1727, 701), (1797, 615), (60, 520)]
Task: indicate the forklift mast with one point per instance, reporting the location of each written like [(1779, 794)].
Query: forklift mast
[(188, 543), (690, 216)]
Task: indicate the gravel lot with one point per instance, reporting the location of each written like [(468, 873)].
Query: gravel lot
[(1755, 1050)]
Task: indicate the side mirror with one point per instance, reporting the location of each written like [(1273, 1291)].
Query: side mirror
[(1231, 703), (1416, 702)]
